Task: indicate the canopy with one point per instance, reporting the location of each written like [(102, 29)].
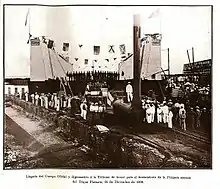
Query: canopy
[(45, 63)]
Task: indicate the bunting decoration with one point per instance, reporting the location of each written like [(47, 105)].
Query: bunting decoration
[(86, 61), (107, 59), (122, 49), (65, 46), (129, 54), (35, 41), (111, 49), (114, 58), (95, 60), (76, 59), (96, 50), (80, 45)]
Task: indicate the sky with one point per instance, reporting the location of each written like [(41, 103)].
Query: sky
[(182, 28)]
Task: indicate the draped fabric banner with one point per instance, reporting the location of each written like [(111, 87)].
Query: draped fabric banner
[(111, 49), (50, 44), (122, 49), (96, 50)]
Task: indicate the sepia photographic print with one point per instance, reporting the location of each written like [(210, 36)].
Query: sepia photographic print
[(107, 87)]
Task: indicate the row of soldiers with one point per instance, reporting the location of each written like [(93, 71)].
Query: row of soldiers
[(92, 76), (63, 102)]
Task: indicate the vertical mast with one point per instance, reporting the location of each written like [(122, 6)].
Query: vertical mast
[(136, 103)]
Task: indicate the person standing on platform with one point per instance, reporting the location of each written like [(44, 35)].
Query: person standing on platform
[(170, 119), (36, 99), (182, 117), (129, 91)]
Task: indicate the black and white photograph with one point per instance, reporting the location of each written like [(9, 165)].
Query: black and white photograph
[(107, 87)]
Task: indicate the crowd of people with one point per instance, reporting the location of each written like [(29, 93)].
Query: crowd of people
[(175, 112)]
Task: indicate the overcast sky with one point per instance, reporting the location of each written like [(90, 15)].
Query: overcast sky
[(182, 28)]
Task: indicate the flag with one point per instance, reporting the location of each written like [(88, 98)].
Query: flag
[(122, 49), (27, 15), (155, 14), (35, 41), (96, 50), (111, 49), (65, 46)]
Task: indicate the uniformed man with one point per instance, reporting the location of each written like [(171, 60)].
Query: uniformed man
[(129, 91), (26, 96), (182, 117), (46, 101), (32, 98), (165, 112), (36, 99), (83, 107), (170, 119), (197, 118), (159, 114)]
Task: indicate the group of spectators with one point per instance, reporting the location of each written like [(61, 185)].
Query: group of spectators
[(175, 114)]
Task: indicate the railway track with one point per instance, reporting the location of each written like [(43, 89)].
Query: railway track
[(193, 136)]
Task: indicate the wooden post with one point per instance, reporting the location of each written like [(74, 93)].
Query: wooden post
[(192, 54), (188, 56), (136, 102)]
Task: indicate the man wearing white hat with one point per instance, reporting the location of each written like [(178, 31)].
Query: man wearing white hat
[(129, 91)]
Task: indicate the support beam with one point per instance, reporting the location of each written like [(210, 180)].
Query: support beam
[(136, 103)]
